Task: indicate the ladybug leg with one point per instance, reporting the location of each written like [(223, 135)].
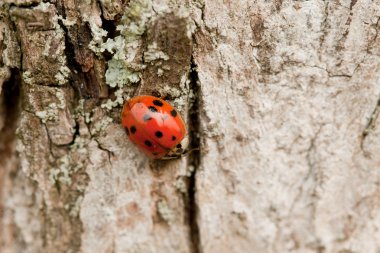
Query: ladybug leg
[(175, 154), (166, 97), (189, 151), (157, 94), (180, 150), (170, 157)]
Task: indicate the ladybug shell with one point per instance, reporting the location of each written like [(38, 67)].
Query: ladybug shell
[(153, 125)]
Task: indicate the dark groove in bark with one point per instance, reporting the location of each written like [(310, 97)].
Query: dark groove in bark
[(77, 37), (76, 70), (24, 5), (371, 123), (11, 106), (194, 160), (352, 4)]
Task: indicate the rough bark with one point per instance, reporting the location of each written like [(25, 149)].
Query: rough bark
[(281, 98)]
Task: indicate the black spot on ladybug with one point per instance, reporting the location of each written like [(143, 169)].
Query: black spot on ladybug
[(133, 129), (158, 134), (126, 130), (152, 109), (158, 103), (148, 143), (147, 117), (173, 113), (174, 138), (179, 145)]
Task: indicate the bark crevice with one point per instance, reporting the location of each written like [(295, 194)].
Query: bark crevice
[(371, 124), (11, 108), (194, 159)]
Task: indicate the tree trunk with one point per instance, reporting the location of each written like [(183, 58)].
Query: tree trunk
[(281, 99)]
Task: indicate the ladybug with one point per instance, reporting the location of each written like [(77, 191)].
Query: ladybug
[(154, 126)]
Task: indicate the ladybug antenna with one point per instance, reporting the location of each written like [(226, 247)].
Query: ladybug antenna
[(189, 151)]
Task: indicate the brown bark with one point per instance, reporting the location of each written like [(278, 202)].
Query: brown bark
[(282, 98)]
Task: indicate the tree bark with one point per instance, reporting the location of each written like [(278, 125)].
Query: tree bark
[(281, 99)]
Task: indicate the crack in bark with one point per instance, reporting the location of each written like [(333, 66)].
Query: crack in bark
[(370, 124), (10, 108), (70, 57), (11, 95), (26, 4), (313, 175), (352, 4), (82, 80), (310, 165), (109, 152), (373, 41), (108, 25), (344, 37), (375, 113), (324, 27), (194, 160)]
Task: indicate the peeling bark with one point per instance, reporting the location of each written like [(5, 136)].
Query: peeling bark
[(281, 99)]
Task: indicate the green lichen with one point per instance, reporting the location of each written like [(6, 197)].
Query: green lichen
[(113, 103), (66, 165), (62, 76), (160, 72), (101, 125), (135, 19), (43, 7), (190, 170), (184, 85), (63, 73), (98, 35), (118, 74), (79, 146), (52, 110), (122, 68), (165, 212), (67, 22), (180, 185), (80, 112), (27, 77), (70, 163), (153, 53), (79, 109), (175, 92), (74, 208), (113, 46), (50, 114), (62, 172)]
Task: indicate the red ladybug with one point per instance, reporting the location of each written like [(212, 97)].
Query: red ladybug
[(154, 126)]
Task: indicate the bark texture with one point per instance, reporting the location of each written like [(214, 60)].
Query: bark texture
[(281, 97)]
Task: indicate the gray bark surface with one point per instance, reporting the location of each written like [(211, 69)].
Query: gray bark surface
[(281, 99)]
